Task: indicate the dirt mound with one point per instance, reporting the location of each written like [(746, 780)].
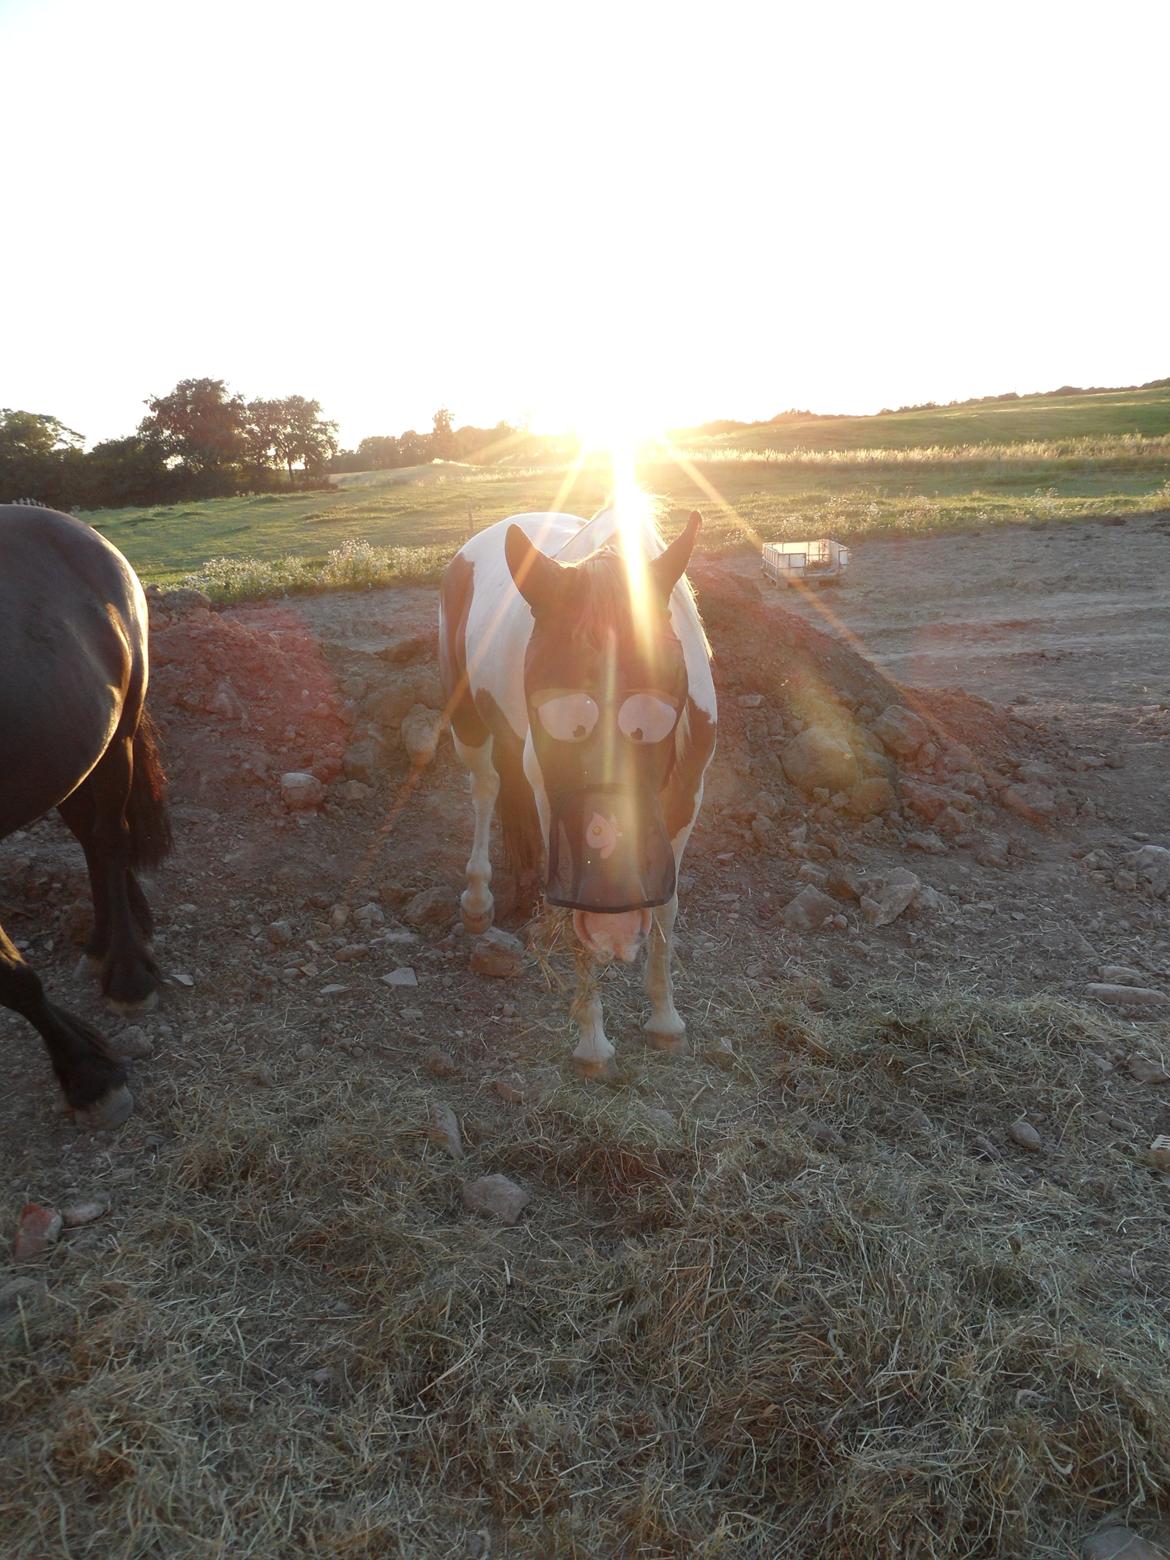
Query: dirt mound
[(241, 703), (810, 722)]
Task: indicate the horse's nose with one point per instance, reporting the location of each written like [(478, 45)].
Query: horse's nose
[(612, 936)]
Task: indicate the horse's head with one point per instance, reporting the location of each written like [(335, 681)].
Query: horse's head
[(606, 681)]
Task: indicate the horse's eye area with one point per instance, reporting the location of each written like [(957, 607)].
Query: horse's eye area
[(568, 717), (644, 717)]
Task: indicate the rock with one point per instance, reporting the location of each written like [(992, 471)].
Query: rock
[(37, 1228), (364, 761), (81, 1213), (809, 910), (1120, 1543), (370, 915), (927, 841), (927, 801), (402, 976), (1159, 1153), (131, 1042), (1034, 803), (497, 1197), (985, 1148), (1120, 975), (1151, 866), (511, 1087), (1127, 996), (993, 852), (279, 933), (887, 899), (1142, 1070), (20, 1292), (355, 791), (750, 701), (439, 1064), (871, 797), (444, 1129), (900, 732), (420, 734), (498, 954), (333, 989), (300, 791), (1024, 1134), (431, 907), (844, 881), (817, 759)]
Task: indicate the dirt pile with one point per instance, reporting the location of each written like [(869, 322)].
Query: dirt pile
[(813, 732), (242, 703)]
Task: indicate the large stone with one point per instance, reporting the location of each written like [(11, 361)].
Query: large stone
[(364, 761), (498, 954), (817, 759), (431, 907), (900, 732), (1121, 1543), (1032, 802), (391, 703), (1127, 996), (497, 1197), (809, 911), (300, 791), (887, 898), (37, 1228), (1151, 866), (420, 734), (871, 797)]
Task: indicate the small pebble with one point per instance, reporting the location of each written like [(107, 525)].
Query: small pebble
[(1025, 1135)]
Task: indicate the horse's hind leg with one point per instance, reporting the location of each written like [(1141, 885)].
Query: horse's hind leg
[(91, 1078), (476, 902), (97, 814)]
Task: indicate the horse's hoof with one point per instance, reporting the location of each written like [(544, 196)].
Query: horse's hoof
[(592, 1069), (672, 1045), (110, 1111), (146, 1004), (475, 925)]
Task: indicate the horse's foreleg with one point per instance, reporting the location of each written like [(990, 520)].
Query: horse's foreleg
[(593, 1053), (476, 902), (664, 1028), (91, 1078)]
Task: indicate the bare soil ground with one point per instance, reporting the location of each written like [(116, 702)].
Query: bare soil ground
[(1038, 661)]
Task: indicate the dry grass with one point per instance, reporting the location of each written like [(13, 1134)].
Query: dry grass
[(803, 1316), (1035, 457)]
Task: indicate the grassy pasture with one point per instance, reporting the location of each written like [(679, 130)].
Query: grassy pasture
[(1014, 462)]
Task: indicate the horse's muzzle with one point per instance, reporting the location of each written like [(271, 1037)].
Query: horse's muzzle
[(608, 852)]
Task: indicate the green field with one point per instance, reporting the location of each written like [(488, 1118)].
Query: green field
[(1034, 459)]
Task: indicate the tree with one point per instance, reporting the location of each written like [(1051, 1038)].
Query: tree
[(198, 423), (126, 471), (380, 452), (443, 443), (288, 431), (39, 458)]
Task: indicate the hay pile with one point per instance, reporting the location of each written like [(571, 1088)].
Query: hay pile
[(787, 1304)]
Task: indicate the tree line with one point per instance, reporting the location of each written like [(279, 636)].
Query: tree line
[(202, 441)]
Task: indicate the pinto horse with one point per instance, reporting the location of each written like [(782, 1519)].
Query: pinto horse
[(74, 735), (578, 684)]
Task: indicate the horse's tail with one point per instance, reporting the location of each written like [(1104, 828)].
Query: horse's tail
[(519, 820), (147, 813)]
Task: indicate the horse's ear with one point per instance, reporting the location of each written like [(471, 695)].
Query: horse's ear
[(668, 568), (538, 579)]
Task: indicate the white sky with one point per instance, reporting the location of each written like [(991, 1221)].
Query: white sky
[(675, 210)]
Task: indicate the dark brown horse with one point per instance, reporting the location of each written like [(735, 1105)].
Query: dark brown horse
[(74, 735)]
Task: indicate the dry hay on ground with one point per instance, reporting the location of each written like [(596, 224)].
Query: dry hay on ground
[(781, 1305)]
